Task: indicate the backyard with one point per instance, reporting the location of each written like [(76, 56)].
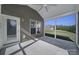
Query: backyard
[(70, 35), (65, 27)]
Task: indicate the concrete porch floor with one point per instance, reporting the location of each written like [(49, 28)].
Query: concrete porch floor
[(44, 46), (67, 45)]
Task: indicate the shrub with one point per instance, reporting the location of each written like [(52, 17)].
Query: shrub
[(58, 36)]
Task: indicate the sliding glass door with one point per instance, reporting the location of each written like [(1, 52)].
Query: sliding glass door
[(35, 27)]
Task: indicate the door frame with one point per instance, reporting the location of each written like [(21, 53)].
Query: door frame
[(5, 17)]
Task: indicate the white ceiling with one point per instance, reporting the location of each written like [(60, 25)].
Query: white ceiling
[(53, 10)]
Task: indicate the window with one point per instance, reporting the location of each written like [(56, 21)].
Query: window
[(38, 27), (33, 27), (11, 27)]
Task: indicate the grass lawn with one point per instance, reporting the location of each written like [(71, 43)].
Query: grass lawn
[(71, 35)]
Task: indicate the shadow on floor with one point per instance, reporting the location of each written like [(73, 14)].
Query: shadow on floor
[(67, 45)]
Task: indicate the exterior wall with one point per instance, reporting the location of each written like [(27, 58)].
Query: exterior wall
[(0, 29), (25, 13)]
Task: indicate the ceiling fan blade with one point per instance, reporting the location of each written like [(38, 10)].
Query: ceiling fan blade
[(52, 4), (46, 8), (40, 8)]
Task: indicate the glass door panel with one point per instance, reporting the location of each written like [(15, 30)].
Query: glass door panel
[(11, 29), (38, 27), (33, 27)]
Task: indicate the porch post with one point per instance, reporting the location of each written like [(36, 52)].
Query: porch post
[(77, 29), (55, 29), (77, 25), (44, 26)]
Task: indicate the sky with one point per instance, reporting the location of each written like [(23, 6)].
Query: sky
[(65, 20)]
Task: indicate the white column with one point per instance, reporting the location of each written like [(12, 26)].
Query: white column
[(55, 29), (44, 27), (36, 27), (77, 25), (77, 41)]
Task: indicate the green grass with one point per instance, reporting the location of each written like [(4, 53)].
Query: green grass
[(71, 35)]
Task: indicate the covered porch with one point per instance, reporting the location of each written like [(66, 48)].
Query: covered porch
[(31, 39), (42, 46)]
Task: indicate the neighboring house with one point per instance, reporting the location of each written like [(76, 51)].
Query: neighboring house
[(49, 27)]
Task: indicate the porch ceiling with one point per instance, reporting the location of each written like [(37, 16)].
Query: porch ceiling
[(48, 11)]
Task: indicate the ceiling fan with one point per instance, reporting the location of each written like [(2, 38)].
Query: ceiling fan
[(46, 6)]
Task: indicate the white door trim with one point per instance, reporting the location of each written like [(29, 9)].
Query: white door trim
[(5, 17)]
